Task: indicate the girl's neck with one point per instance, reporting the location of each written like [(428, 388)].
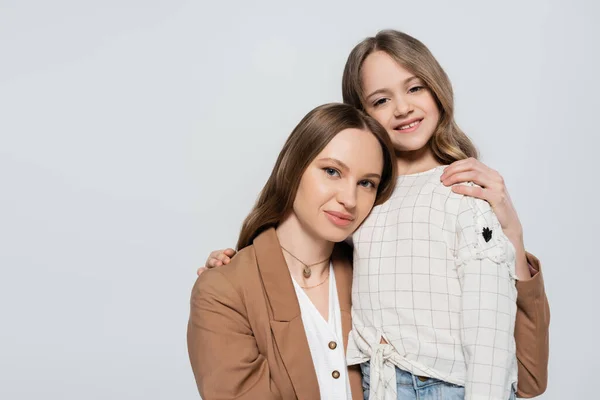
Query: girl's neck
[(306, 247), (412, 162)]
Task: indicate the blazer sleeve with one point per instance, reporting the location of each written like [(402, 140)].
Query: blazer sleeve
[(222, 349), (531, 333)]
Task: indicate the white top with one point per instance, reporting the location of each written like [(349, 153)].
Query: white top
[(435, 276), (320, 334)]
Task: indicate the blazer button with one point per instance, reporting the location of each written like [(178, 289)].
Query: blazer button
[(332, 345), (335, 374)]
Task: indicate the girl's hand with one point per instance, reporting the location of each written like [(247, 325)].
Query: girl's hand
[(216, 259)]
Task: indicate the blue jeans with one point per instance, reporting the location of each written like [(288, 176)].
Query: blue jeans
[(410, 387)]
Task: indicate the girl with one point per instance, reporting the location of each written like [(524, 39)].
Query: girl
[(433, 292), (274, 323), (434, 296)]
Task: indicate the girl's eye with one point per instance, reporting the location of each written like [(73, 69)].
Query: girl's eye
[(380, 102), (367, 184), (415, 89), (331, 171)]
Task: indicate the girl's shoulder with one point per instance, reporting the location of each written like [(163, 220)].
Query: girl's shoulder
[(480, 233)]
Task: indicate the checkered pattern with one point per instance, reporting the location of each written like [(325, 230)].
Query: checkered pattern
[(438, 290)]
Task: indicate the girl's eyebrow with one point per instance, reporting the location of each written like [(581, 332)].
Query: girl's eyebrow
[(385, 90), (378, 91)]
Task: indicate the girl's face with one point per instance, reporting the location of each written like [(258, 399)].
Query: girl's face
[(338, 189), (399, 101)]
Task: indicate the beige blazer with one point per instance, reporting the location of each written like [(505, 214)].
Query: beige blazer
[(246, 339)]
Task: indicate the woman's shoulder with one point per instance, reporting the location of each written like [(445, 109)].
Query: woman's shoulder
[(231, 276), (222, 289)]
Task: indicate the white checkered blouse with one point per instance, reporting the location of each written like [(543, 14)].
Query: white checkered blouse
[(434, 276)]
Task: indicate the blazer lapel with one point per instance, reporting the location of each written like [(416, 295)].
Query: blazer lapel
[(286, 323)]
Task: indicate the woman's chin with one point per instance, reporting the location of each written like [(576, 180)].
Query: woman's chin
[(335, 235)]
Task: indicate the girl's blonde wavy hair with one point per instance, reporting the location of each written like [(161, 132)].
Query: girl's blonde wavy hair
[(448, 143)]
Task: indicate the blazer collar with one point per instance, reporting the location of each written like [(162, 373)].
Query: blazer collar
[(286, 324), (276, 277), (278, 281)]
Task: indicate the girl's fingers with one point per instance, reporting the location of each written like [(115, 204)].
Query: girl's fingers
[(211, 256), (223, 258), (214, 262), (219, 257), (229, 252)]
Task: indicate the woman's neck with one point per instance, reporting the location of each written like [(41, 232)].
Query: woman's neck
[(304, 246), (412, 162)]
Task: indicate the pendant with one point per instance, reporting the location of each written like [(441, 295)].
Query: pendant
[(306, 272)]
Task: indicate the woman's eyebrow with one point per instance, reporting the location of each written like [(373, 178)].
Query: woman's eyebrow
[(373, 175), (410, 79), (344, 167), (336, 161)]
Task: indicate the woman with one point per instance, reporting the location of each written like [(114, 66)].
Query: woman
[(273, 323), (395, 79)]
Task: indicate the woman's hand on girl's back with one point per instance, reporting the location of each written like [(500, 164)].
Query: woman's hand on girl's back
[(491, 189)]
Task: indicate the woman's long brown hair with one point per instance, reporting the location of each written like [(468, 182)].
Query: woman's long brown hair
[(448, 143), (306, 141)]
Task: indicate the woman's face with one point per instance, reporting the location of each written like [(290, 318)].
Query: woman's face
[(399, 101), (338, 189)]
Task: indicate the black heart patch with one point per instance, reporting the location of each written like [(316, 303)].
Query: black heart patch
[(487, 234)]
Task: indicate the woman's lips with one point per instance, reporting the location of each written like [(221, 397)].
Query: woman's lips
[(338, 219)]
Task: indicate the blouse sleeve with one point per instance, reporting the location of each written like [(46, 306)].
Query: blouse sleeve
[(485, 261)]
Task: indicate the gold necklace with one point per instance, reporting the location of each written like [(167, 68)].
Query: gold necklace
[(318, 284), (306, 271)]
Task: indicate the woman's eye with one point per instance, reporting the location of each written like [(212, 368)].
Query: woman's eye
[(367, 184), (415, 89), (331, 171)]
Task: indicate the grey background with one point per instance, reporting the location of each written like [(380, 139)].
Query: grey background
[(135, 135)]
